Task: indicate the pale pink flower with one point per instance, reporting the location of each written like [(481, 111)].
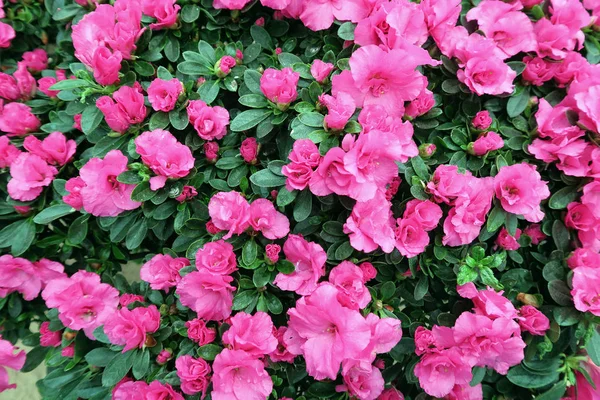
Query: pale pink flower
[(493, 305), (508, 242), (370, 226), (411, 237), (54, 149), (421, 105), (340, 109), (217, 258), (29, 175), (239, 376), (349, 280), (209, 295), (280, 87), (35, 60), (329, 332), (49, 338), (162, 271), (520, 190), (159, 391), (129, 328), (533, 321), (199, 332), (16, 119), (585, 289), (83, 302), (164, 11), (362, 381), (210, 122), (486, 142), (320, 70), (385, 78), (194, 374), (25, 277), (103, 195), (438, 372), (489, 343), (318, 14), (309, 259), (9, 359), (74, 199), (266, 219), (229, 211), (251, 333), (281, 354), (8, 152), (426, 212), (163, 94)]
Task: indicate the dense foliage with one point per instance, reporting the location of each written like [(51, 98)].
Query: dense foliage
[(347, 199)]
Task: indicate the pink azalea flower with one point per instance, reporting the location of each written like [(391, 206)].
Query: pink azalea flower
[(16, 119), (439, 372), (199, 332), (318, 14), (83, 302), (520, 190), (129, 328), (54, 149), (349, 280), (164, 94), (29, 175), (217, 258), (329, 332), (239, 376), (194, 374), (210, 122), (251, 333), (103, 195), (9, 359), (309, 259), (162, 271), (370, 225), (320, 70), (265, 219), (210, 295), (229, 211), (8, 152)]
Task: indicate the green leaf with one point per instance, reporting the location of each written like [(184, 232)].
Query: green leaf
[(273, 303), (252, 80), (478, 375), (207, 52), (159, 120), (285, 197), (421, 288), (34, 358), (285, 267), (142, 192), (141, 363), (420, 168), (303, 205), (387, 290), (556, 392), (244, 299), (563, 197), (228, 163), (90, 119), (100, 357), (209, 351), (209, 91), (143, 68), (560, 235), (22, 236), (526, 379), (593, 347), (136, 234), (51, 213), (172, 49), (346, 31), (190, 13), (249, 119), (254, 101), (179, 119), (267, 179), (344, 251), (566, 316), (560, 292), (496, 219), (261, 36), (117, 368), (312, 119), (261, 277), (518, 102), (69, 84), (78, 230), (249, 252)]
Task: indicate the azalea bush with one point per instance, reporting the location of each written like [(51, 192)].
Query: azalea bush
[(325, 199)]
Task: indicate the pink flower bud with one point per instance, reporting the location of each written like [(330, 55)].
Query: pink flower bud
[(427, 150), (482, 120), (260, 21), (211, 150), (272, 251), (249, 150), (164, 356)]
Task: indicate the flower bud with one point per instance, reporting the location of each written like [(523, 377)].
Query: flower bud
[(426, 150), (529, 299)]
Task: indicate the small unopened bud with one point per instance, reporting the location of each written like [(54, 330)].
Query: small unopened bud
[(150, 341), (164, 356), (426, 150), (528, 299)]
